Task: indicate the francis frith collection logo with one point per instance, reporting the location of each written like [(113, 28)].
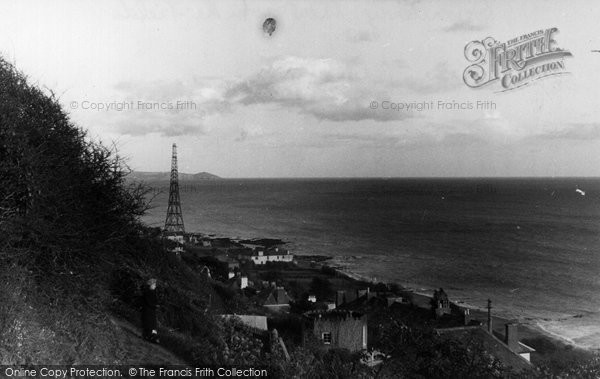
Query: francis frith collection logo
[(514, 63)]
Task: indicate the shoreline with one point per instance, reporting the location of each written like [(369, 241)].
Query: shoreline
[(529, 329)]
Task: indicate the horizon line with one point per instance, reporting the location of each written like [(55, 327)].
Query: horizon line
[(218, 177)]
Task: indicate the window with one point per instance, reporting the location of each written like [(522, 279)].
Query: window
[(326, 338)]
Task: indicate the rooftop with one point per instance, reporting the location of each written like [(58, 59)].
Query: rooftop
[(475, 334), (334, 314), (278, 297)]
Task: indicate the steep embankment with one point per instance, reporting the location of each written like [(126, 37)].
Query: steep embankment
[(73, 254), (135, 351)]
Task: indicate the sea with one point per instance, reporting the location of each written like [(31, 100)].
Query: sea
[(531, 245)]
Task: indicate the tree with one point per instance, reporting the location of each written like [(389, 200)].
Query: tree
[(415, 353), (321, 288), (61, 194), (313, 362), (380, 287)]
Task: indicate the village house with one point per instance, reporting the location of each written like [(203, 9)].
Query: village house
[(253, 321), (278, 300), (261, 257), (511, 339), (231, 265), (205, 271), (391, 300), (441, 303), (238, 281), (339, 329), (178, 238), (176, 243), (205, 243), (508, 350), (346, 297), (193, 238)]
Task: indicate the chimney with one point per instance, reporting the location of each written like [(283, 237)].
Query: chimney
[(511, 336), (467, 316), (340, 297)]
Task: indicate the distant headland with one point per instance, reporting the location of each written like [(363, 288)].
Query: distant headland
[(160, 176)]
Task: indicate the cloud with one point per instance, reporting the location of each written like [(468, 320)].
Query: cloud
[(440, 78), (463, 26), (462, 139), (165, 123), (574, 131), (155, 90), (357, 36), (323, 88), (251, 132), (366, 140), (405, 140), (168, 108), (243, 136)]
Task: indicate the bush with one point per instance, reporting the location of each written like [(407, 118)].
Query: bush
[(321, 288), (61, 195)]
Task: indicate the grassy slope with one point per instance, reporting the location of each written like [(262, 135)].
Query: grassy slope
[(61, 317)]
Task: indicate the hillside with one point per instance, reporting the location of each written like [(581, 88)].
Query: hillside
[(74, 254), (147, 176)]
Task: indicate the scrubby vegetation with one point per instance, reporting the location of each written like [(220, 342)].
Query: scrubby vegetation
[(67, 218), (73, 253)]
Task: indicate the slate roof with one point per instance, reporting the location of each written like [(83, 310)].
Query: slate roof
[(278, 297), (491, 344)]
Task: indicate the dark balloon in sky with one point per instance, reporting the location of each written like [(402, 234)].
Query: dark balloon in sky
[(269, 25)]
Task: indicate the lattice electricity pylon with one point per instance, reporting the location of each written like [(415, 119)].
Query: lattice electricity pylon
[(174, 221)]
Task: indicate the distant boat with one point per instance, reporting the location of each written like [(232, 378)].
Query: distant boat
[(582, 193)]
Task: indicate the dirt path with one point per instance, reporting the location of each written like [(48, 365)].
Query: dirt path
[(136, 350)]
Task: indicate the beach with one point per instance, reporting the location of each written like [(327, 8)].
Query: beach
[(549, 346)]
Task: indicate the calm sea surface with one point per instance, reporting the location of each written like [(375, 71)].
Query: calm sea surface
[(531, 245)]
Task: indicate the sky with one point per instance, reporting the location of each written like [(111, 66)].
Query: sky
[(298, 102)]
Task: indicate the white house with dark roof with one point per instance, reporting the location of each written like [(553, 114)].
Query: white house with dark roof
[(261, 257)]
